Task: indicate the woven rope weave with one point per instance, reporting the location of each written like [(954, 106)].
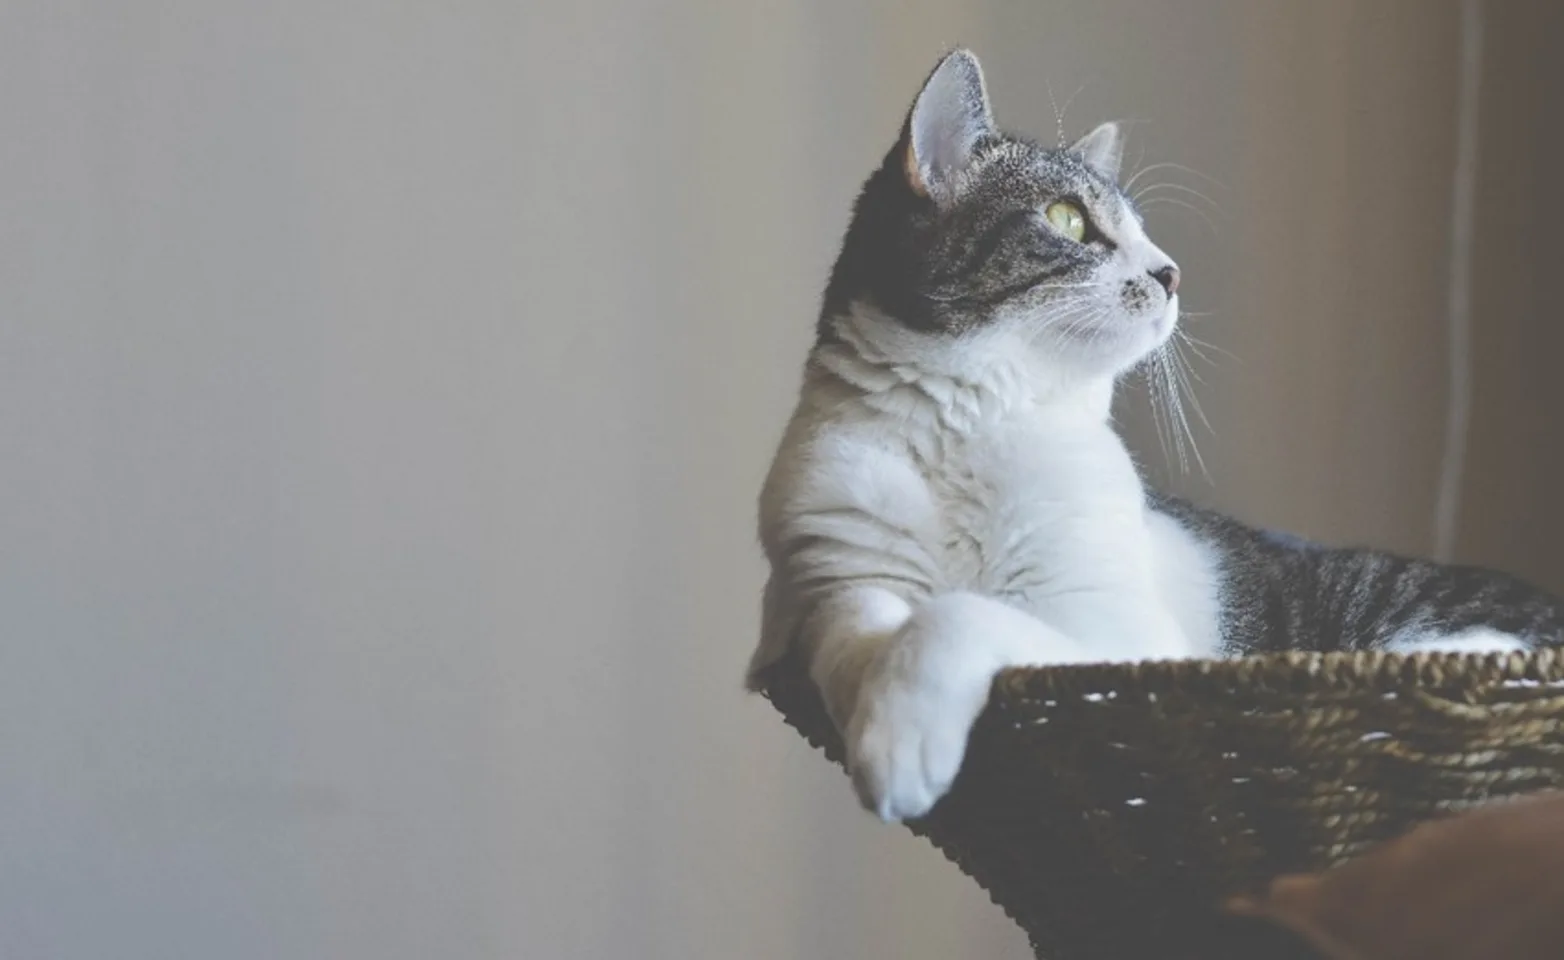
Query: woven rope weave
[(1107, 809)]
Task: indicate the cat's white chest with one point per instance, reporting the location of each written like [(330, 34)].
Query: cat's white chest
[(1028, 503)]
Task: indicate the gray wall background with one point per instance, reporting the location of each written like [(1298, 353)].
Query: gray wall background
[(384, 389)]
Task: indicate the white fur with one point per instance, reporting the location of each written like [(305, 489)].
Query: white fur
[(1188, 579), (1474, 640), (941, 509), (922, 692)]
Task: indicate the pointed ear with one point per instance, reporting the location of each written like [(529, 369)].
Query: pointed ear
[(948, 119), (1103, 150)]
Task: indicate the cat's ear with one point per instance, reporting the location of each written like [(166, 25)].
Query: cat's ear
[(948, 119), (1103, 150)]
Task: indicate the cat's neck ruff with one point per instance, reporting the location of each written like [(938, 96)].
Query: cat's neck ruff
[(961, 381)]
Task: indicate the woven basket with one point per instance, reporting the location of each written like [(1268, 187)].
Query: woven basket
[(1109, 809)]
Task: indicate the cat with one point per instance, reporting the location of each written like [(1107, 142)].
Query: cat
[(951, 499)]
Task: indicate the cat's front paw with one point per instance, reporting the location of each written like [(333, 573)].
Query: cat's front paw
[(906, 742), (908, 731)]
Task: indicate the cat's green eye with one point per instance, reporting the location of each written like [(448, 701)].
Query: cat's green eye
[(1068, 219)]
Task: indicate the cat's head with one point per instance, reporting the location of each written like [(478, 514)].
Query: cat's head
[(966, 230)]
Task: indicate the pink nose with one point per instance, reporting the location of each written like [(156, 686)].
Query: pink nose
[(1168, 277)]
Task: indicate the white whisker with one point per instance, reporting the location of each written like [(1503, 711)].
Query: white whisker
[(1181, 367), (1173, 166), (1164, 185), (1199, 345), (1159, 419), (1175, 385), (1058, 115)]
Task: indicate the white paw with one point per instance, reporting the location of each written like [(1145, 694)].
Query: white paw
[(908, 731), (906, 741)]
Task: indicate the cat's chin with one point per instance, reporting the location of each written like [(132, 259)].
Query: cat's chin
[(1116, 345), (1167, 321)]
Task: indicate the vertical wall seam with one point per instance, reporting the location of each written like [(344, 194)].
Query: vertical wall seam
[(1447, 506)]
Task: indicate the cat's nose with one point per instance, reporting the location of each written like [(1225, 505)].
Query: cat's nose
[(1168, 277)]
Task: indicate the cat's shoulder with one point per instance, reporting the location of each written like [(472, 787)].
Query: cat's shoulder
[(827, 462)]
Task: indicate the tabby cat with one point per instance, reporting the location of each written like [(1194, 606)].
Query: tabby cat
[(951, 499)]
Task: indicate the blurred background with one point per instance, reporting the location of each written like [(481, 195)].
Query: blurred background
[(385, 388)]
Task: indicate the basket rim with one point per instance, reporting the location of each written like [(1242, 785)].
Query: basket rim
[(1292, 671)]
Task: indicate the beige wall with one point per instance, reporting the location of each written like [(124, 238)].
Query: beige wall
[(1513, 514), (384, 388)]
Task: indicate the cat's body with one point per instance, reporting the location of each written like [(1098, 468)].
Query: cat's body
[(1280, 593), (951, 498)]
